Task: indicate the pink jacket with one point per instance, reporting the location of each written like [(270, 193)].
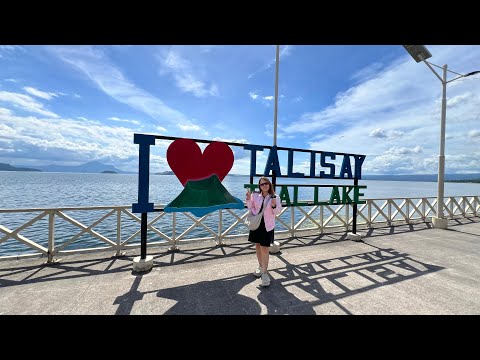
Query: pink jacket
[(255, 203)]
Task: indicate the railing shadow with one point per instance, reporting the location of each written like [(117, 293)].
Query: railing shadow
[(414, 226), (333, 279), (204, 253), (75, 268), (395, 229), (68, 269), (296, 289)]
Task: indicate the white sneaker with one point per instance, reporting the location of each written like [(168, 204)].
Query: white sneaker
[(265, 280), (258, 272)]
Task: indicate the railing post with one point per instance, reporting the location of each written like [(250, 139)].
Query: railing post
[(369, 209), (464, 210), (407, 210), (321, 219), (219, 236), (424, 209), (389, 207), (174, 246), (347, 216), (51, 236), (451, 207), (354, 212), (292, 221), (119, 233), (475, 206)]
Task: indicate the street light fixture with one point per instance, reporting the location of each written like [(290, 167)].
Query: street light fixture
[(418, 52), (421, 53)]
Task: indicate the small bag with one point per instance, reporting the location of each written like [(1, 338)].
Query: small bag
[(253, 221)]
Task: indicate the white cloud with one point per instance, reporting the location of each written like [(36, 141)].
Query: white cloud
[(232, 140), (402, 150), (185, 78), (93, 63), (76, 96), (474, 133), (395, 133), (161, 129), (285, 50), (25, 103), (383, 134), (65, 140), (189, 127), (40, 94), (266, 100), (405, 97), (367, 72), (378, 133), (9, 49), (136, 122), (460, 99), (11, 80), (6, 132), (4, 111)]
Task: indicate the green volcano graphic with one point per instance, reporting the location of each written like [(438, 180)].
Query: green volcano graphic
[(201, 197)]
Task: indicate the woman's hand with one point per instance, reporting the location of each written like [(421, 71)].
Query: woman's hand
[(248, 194), (274, 202)]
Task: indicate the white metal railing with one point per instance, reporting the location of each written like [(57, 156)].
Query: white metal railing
[(321, 218)]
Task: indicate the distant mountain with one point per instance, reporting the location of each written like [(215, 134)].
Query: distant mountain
[(165, 173), (7, 167), (109, 172), (90, 167), (424, 177)]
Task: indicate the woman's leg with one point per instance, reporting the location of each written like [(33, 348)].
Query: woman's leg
[(259, 254), (265, 254)]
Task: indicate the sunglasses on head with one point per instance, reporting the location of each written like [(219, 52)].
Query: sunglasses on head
[(263, 184)]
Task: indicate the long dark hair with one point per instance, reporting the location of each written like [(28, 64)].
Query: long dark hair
[(271, 191)]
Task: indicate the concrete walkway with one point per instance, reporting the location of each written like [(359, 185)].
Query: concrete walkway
[(408, 269)]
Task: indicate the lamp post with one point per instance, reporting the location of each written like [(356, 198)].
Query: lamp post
[(277, 61), (421, 53)]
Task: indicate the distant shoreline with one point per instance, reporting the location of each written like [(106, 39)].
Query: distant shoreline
[(464, 181), (99, 168), (7, 167)]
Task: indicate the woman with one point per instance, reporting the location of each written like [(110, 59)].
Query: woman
[(263, 236)]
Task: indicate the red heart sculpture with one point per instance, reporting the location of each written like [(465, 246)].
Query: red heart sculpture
[(188, 163)]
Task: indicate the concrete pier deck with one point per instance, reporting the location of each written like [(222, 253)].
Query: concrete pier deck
[(407, 269)]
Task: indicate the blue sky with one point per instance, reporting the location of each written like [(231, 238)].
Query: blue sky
[(68, 105)]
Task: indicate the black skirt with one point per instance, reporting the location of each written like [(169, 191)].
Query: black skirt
[(261, 235)]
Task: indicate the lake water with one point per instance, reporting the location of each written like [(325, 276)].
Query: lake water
[(50, 190)]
